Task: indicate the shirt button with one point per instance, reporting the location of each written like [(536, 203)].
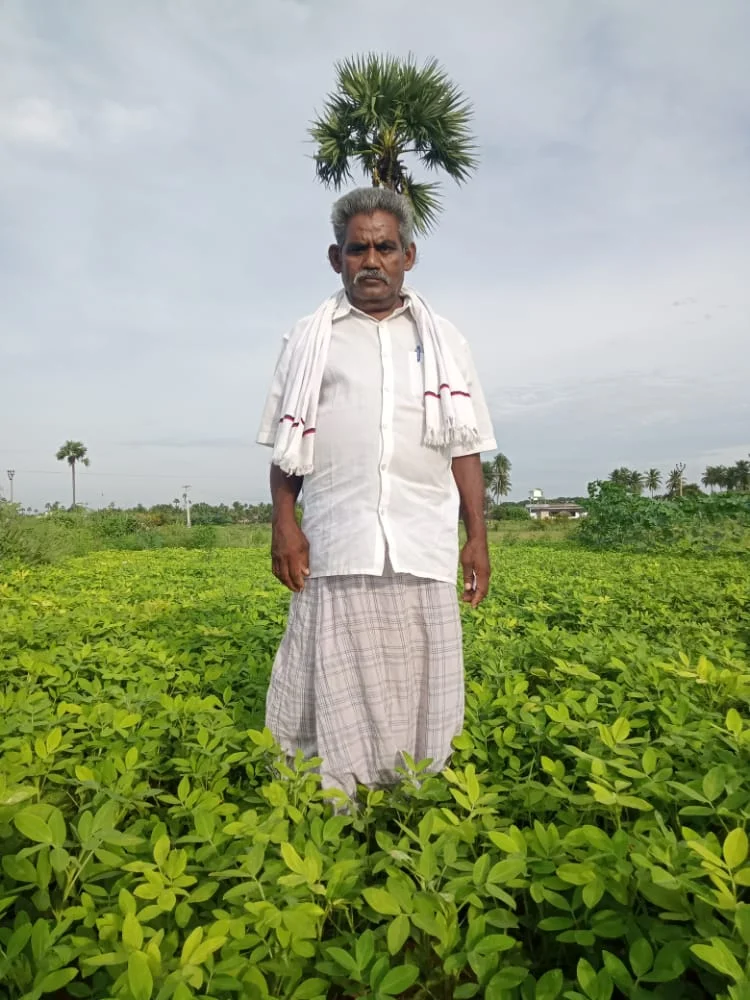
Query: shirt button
[(383, 468)]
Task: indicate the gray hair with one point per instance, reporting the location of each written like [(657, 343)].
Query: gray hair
[(367, 201)]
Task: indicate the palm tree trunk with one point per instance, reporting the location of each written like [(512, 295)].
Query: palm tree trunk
[(73, 473)]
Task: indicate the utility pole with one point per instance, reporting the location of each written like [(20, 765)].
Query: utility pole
[(186, 501), (11, 475)]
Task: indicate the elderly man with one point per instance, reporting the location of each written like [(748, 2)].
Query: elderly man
[(375, 414)]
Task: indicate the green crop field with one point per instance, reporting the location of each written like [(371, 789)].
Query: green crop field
[(588, 842)]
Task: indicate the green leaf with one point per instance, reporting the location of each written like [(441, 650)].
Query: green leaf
[(203, 892), (550, 985), (140, 980), (310, 988), (292, 860), (494, 944), (161, 850), (734, 722), (641, 957), (345, 960), (18, 941), (742, 922), (33, 827), (618, 971), (620, 729), (398, 933), (504, 841), (586, 976), (593, 892), (206, 948), (364, 949), (506, 871), (191, 943), (506, 979), (575, 874), (719, 957), (132, 932), (714, 782), (735, 848), (381, 901), (55, 981), (398, 979)]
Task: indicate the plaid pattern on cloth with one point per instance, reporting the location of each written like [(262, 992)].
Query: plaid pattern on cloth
[(369, 667)]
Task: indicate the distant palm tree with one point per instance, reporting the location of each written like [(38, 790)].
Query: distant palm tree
[(636, 482), (622, 477), (742, 474), (500, 477), (487, 476), (384, 109), (73, 452), (676, 480), (652, 481), (711, 477)]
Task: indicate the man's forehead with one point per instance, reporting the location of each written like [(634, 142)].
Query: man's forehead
[(380, 225)]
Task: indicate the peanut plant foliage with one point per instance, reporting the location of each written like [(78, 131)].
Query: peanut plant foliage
[(588, 841)]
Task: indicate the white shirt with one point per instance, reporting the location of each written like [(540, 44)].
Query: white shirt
[(376, 488)]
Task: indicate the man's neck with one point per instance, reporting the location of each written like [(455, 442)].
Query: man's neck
[(380, 314)]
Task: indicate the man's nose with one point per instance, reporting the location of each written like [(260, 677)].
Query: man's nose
[(371, 259)]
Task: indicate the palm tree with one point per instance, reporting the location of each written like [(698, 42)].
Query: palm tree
[(652, 481), (487, 474), (384, 109), (622, 477), (636, 482), (500, 476), (742, 474), (676, 480), (711, 477), (73, 451)]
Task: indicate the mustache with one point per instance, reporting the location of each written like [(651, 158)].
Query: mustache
[(372, 273)]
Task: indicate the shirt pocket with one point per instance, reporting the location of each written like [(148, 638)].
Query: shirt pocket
[(416, 378)]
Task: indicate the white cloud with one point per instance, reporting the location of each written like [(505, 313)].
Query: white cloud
[(35, 121)]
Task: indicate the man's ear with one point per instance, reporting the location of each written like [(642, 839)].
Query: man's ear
[(334, 256), (410, 256)]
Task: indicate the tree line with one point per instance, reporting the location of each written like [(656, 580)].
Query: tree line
[(728, 478)]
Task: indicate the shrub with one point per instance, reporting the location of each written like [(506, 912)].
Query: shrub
[(32, 540), (619, 520), (509, 512)]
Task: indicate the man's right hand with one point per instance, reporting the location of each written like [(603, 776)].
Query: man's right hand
[(290, 555)]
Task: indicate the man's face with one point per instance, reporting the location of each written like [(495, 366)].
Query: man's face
[(372, 263)]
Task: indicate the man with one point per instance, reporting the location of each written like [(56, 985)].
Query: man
[(376, 410)]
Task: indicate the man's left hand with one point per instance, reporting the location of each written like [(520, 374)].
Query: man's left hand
[(475, 562)]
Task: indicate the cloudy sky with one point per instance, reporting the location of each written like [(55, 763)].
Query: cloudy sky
[(160, 228)]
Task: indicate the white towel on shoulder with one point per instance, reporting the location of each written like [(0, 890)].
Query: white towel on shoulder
[(449, 413)]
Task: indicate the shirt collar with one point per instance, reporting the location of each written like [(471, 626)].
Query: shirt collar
[(345, 308)]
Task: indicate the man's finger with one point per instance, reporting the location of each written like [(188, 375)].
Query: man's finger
[(285, 575), (298, 574), (482, 589)]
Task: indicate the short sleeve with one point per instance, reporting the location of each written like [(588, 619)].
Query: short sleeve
[(484, 421), (272, 409)]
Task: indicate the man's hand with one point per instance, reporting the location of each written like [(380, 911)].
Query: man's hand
[(290, 555), (475, 562)]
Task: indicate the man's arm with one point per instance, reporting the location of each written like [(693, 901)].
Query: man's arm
[(290, 551), (475, 558)]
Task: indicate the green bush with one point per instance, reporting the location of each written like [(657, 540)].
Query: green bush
[(33, 540), (509, 512), (710, 525)]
